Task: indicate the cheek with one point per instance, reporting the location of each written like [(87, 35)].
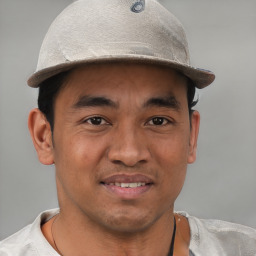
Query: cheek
[(76, 164), (171, 156), (77, 158), (172, 150), (78, 149)]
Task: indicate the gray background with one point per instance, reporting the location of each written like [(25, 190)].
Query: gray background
[(222, 38)]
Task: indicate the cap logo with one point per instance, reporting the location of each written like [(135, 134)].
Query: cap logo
[(138, 7)]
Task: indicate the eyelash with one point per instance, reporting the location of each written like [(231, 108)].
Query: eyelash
[(163, 121), (89, 120)]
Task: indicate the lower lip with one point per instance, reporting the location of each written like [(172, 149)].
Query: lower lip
[(128, 193)]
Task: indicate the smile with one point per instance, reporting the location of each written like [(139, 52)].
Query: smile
[(128, 185)]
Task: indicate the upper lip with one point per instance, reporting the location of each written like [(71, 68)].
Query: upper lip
[(126, 178)]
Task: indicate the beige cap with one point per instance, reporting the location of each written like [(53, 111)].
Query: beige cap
[(91, 31)]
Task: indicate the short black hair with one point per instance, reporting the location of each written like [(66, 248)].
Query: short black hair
[(49, 89), (191, 91)]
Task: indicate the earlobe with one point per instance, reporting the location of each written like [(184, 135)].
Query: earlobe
[(194, 130), (41, 135)]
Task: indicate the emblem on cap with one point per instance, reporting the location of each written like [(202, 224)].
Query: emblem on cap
[(138, 6)]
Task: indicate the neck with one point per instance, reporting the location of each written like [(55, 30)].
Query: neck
[(76, 237)]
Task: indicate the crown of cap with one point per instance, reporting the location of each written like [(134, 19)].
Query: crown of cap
[(90, 31)]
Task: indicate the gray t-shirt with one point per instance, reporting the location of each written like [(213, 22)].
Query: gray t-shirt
[(208, 238)]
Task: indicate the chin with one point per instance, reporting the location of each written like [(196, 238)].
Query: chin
[(127, 223)]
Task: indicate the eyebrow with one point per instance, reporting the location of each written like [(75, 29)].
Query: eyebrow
[(92, 101), (100, 101), (165, 102)]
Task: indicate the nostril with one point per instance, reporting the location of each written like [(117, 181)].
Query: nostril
[(125, 163), (117, 162), (128, 163)]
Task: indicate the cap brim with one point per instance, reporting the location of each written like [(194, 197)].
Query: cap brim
[(200, 77)]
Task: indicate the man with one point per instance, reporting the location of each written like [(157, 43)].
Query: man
[(115, 117)]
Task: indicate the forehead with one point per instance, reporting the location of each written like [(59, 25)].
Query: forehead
[(118, 80)]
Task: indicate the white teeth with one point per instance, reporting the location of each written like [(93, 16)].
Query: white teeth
[(124, 185), (128, 185)]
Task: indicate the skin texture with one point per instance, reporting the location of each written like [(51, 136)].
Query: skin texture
[(123, 122)]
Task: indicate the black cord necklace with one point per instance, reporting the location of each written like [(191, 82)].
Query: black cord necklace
[(173, 238)]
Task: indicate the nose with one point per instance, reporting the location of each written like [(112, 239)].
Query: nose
[(128, 147)]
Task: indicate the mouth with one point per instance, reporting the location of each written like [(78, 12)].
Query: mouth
[(128, 186)]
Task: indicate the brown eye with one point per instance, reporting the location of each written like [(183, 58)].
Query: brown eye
[(158, 121), (97, 120)]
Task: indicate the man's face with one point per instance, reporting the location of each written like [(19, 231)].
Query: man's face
[(121, 144)]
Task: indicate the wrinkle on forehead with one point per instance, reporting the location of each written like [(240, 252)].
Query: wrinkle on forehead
[(95, 71), (134, 82)]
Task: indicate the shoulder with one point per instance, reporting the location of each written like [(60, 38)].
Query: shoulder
[(221, 228), (29, 240), (217, 237), (17, 243)]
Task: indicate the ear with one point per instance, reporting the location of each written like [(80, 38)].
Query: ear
[(41, 135), (194, 130)]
